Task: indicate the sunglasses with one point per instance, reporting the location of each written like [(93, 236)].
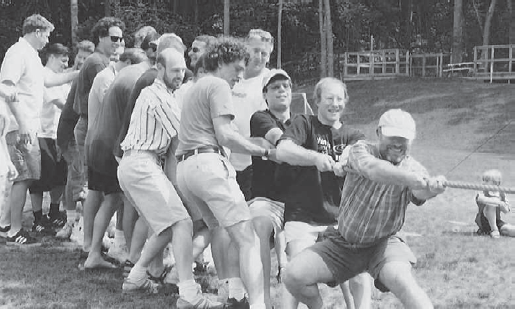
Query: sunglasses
[(153, 46), (115, 38)]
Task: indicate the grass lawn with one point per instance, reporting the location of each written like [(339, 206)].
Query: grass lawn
[(463, 128)]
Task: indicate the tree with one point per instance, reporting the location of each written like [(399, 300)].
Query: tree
[(511, 5), (329, 38), (279, 36), (457, 37), (488, 23), (323, 40), (74, 16), (226, 17)]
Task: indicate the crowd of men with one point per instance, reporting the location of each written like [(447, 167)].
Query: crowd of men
[(184, 161)]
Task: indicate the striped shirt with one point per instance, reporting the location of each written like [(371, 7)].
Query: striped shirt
[(154, 121), (369, 210)]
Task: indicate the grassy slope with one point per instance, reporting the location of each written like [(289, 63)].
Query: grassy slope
[(457, 269)]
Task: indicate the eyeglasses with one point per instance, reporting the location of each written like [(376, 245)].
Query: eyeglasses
[(115, 38)]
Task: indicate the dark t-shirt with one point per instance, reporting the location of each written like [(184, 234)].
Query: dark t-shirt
[(311, 196), (67, 120), (263, 176), (145, 80), (95, 63), (105, 128)]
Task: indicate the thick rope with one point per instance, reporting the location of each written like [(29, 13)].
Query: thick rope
[(463, 185)]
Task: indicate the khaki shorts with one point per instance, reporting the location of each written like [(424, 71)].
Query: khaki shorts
[(208, 181), (25, 157), (297, 230), (146, 186)]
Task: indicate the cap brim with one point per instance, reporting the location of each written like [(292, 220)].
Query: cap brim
[(396, 132)]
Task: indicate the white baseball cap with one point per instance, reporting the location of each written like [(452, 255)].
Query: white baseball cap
[(396, 122), (273, 73)]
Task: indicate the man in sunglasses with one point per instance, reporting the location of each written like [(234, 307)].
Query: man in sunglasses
[(107, 35)]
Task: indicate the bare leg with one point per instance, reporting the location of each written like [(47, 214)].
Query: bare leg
[(358, 291), (17, 201), (397, 277), (91, 206), (264, 228), (292, 249), (508, 230), (219, 248), (130, 216), (139, 237)]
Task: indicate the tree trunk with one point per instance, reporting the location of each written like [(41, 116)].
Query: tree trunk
[(227, 5), (457, 35), (488, 22), (511, 6), (329, 36), (279, 37), (323, 39), (74, 18)]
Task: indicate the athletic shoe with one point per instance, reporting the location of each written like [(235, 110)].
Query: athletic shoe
[(4, 230), (58, 220), (21, 238), (202, 303), (42, 229), (148, 287), (232, 303), (77, 232), (65, 232), (118, 253), (495, 234)]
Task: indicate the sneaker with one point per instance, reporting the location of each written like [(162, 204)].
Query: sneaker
[(65, 232), (21, 238), (202, 303), (148, 287), (78, 232), (59, 220), (118, 253), (4, 230), (495, 234), (42, 229), (232, 303)]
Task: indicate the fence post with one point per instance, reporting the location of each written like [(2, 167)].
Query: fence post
[(492, 64), (511, 62), (475, 60), (423, 65)]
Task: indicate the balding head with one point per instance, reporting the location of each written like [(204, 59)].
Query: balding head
[(171, 67)]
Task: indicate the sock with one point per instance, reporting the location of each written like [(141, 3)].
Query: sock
[(236, 288), (223, 289), (119, 238), (37, 216), (258, 306), (11, 233), (138, 274), (71, 216), (54, 210), (189, 291)]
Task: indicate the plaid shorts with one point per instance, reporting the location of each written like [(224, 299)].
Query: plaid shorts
[(25, 157)]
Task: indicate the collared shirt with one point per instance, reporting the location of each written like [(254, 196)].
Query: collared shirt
[(247, 98), (370, 210), (101, 83), (95, 63), (154, 121), (22, 66), (50, 113)]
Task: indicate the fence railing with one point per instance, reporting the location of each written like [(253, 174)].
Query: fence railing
[(493, 62)]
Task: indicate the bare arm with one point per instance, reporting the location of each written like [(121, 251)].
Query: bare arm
[(58, 79), (59, 103), (18, 111), (231, 139), (293, 154), (171, 162)]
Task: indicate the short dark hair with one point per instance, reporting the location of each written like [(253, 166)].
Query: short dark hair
[(86, 46), (56, 49), (36, 22), (101, 28), (151, 37), (226, 50)]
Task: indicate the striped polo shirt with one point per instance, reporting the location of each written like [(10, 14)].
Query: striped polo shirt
[(370, 210), (154, 120)]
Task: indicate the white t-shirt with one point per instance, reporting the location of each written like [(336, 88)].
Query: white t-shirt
[(100, 85), (50, 113), (22, 66), (247, 96)]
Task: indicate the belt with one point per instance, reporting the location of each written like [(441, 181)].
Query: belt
[(205, 149)]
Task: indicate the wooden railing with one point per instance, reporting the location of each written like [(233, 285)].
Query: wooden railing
[(384, 63), (494, 62), (427, 65)]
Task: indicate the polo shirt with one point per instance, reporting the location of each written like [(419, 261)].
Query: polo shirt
[(95, 63), (50, 113)]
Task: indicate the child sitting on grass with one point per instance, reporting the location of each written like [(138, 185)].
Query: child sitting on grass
[(491, 204)]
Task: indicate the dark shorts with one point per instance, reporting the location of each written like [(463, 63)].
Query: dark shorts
[(103, 183), (53, 168), (244, 180), (345, 262), (26, 158), (484, 226)]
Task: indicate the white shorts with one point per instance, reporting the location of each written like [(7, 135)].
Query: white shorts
[(297, 230)]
